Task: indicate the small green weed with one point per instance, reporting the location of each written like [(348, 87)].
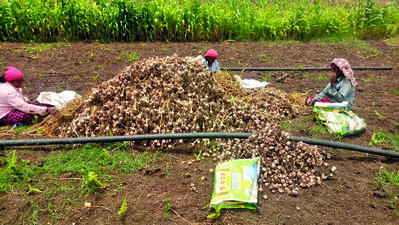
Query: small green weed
[(165, 49), (84, 61), (123, 208), (100, 67), (198, 155), (321, 77), (131, 56), (33, 190), (167, 207), (387, 140), (381, 117), (216, 214), (40, 75), (94, 78), (388, 182), (91, 183), (367, 80), (268, 77), (166, 211), (393, 91), (318, 129)]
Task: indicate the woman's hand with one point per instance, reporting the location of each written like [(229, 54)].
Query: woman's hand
[(51, 110), (308, 101)]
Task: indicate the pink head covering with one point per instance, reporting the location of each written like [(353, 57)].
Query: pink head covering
[(211, 53), (345, 67), (13, 74)]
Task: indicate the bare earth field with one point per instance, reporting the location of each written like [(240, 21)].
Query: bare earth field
[(348, 198)]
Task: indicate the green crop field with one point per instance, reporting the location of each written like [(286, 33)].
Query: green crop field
[(194, 20)]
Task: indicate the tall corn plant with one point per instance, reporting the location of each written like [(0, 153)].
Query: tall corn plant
[(193, 20)]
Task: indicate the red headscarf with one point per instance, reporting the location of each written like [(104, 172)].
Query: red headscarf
[(13, 74), (211, 53)]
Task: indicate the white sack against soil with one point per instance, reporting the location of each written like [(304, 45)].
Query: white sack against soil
[(250, 83), (58, 100)]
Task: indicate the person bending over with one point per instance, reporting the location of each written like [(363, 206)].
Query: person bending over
[(14, 107), (210, 61)]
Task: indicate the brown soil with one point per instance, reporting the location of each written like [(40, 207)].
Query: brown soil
[(348, 198)]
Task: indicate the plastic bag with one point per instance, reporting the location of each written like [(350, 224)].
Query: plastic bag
[(236, 184), (338, 120), (250, 83), (58, 100)]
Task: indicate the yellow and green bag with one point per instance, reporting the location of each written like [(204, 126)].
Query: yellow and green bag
[(236, 184)]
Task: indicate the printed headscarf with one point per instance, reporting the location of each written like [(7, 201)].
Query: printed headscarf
[(345, 67), (13, 74)]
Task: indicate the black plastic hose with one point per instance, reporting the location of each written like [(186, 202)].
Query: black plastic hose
[(345, 146), (109, 139), (300, 68)]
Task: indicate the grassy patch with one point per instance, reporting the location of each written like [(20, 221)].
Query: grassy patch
[(268, 77), (100, 67), (318, 129), (103, 162), (131, 56), (321, 77), (367, 79), (63, 180), (387, 140), (388, 183), (42, 47), (393, 91), (165, 49), (365, 48), (307, 75), (305, 125)]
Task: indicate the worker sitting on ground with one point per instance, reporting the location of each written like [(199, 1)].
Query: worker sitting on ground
[(14, 107), (341, 87), (210, 61)]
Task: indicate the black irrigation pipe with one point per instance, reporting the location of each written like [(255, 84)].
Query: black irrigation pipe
[(345, 146), (300, 68), (109, 139)]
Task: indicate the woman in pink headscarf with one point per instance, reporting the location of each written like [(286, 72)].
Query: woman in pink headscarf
[(210, 61), (341, 86), (14, 107)]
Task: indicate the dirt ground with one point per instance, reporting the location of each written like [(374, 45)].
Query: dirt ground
[(348, 198)]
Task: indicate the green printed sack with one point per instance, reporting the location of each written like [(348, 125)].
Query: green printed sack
[(236, 184), (339, 121)]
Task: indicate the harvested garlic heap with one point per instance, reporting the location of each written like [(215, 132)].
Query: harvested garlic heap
[(171, 95), (287, 166), (177, 95)]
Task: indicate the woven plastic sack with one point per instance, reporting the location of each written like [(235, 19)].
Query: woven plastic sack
[(236, 184), (338, 120), (59, 100)]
